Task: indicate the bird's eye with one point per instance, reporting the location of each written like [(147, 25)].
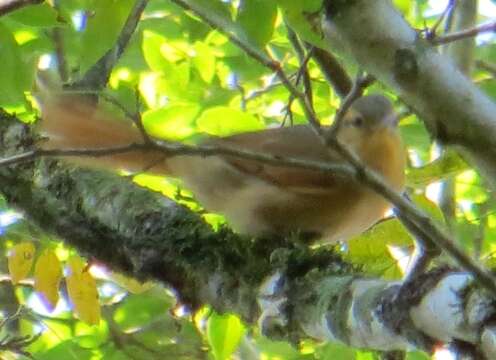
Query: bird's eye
[(357, 121)]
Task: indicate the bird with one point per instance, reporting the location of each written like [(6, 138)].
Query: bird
[(256, 199)]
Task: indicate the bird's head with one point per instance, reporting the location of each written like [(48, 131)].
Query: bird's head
[(368, 116), (370, 113)]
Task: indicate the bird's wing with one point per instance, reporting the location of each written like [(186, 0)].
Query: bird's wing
[(298, 142)]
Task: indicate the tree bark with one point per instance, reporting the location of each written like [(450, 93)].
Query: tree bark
[(293, 292)]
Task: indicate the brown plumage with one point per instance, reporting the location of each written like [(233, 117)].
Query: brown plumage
[(258, 198)]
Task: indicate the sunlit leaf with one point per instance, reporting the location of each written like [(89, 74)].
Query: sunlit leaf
[(20, 261), (204, 61), (403, 5), (173, 122), (224, 121), (365, 355), (224, 332), (47, 276), (151, 50)]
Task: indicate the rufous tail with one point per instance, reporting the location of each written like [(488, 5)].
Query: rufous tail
[(69, 124)]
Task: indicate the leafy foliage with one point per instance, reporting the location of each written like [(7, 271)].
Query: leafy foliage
[(193, 80)]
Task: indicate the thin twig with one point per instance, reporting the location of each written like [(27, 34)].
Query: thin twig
[(58, 43), (489, 67), (173, 149), (431, 33), (16, 345), (303, 60), (359, 85), (97, 76), (481, 230), (135, 117), (302, 73), (273, 84), (219, 24), (448, 24), (439, 40)]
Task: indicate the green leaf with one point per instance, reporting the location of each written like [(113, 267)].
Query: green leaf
[(223, 121), (139, 310), (303, 17), (151, 50), (365, 355), (174, 81), (64, 348), (428, 206), (224, 333), (416, 137), (370, 249), (103, 28), (271, 349), (42, 15), (216, 9), (449, 164), (334, 350), (403, 5), (417, 355), (257, 19), (173, 122), (13, 71)]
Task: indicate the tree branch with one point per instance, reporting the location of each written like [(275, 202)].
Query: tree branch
[(174, 149), (333, 71), (98, 75), (464, 34), (463, 16), (356, 91), (292, 292)]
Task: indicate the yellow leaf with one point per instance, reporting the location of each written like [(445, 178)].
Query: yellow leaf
[(132, 285), (47, 276), (76, 265), (82, 290), (20, 260)]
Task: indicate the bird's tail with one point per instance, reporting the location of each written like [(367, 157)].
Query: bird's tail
[(71, 124)]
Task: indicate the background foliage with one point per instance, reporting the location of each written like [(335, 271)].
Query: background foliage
[(194, 81)]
